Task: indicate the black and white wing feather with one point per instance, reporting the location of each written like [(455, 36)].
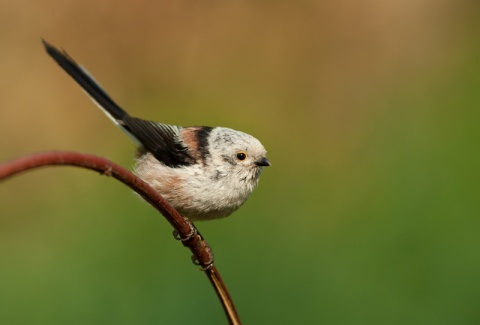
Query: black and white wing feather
[(162, 140)]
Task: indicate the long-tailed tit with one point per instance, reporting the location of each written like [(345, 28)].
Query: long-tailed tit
[(204, 172)]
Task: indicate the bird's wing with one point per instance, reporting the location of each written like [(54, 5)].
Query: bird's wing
[(162, 140)]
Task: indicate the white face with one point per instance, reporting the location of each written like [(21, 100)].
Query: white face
[(237, 152)]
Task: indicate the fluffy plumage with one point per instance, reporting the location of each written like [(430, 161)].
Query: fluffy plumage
[(204, 172)]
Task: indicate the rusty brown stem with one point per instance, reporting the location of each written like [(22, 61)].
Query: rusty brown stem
[(196, 244)]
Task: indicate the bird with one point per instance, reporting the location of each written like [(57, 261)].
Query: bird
[(204, 172)]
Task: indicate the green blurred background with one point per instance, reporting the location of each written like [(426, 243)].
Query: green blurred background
[(369, 111)]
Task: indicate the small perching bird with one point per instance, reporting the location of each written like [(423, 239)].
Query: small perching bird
[(204, 172)]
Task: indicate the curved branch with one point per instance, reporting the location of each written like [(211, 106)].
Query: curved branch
[(197, 245)]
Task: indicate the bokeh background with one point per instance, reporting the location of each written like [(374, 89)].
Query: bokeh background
[(369, 111)]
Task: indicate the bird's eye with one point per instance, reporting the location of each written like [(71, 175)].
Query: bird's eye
[(242, 155)]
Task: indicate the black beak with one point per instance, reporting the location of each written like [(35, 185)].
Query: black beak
[(263, 162)]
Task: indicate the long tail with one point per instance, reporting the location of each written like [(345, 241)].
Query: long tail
[(93, 89)]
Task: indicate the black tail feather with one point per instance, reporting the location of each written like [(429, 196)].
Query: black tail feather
[(82, 77)]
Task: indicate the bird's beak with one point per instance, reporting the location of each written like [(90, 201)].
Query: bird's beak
[(263, 162)]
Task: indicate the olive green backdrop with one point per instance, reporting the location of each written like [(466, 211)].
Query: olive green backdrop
[(370, 112)]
